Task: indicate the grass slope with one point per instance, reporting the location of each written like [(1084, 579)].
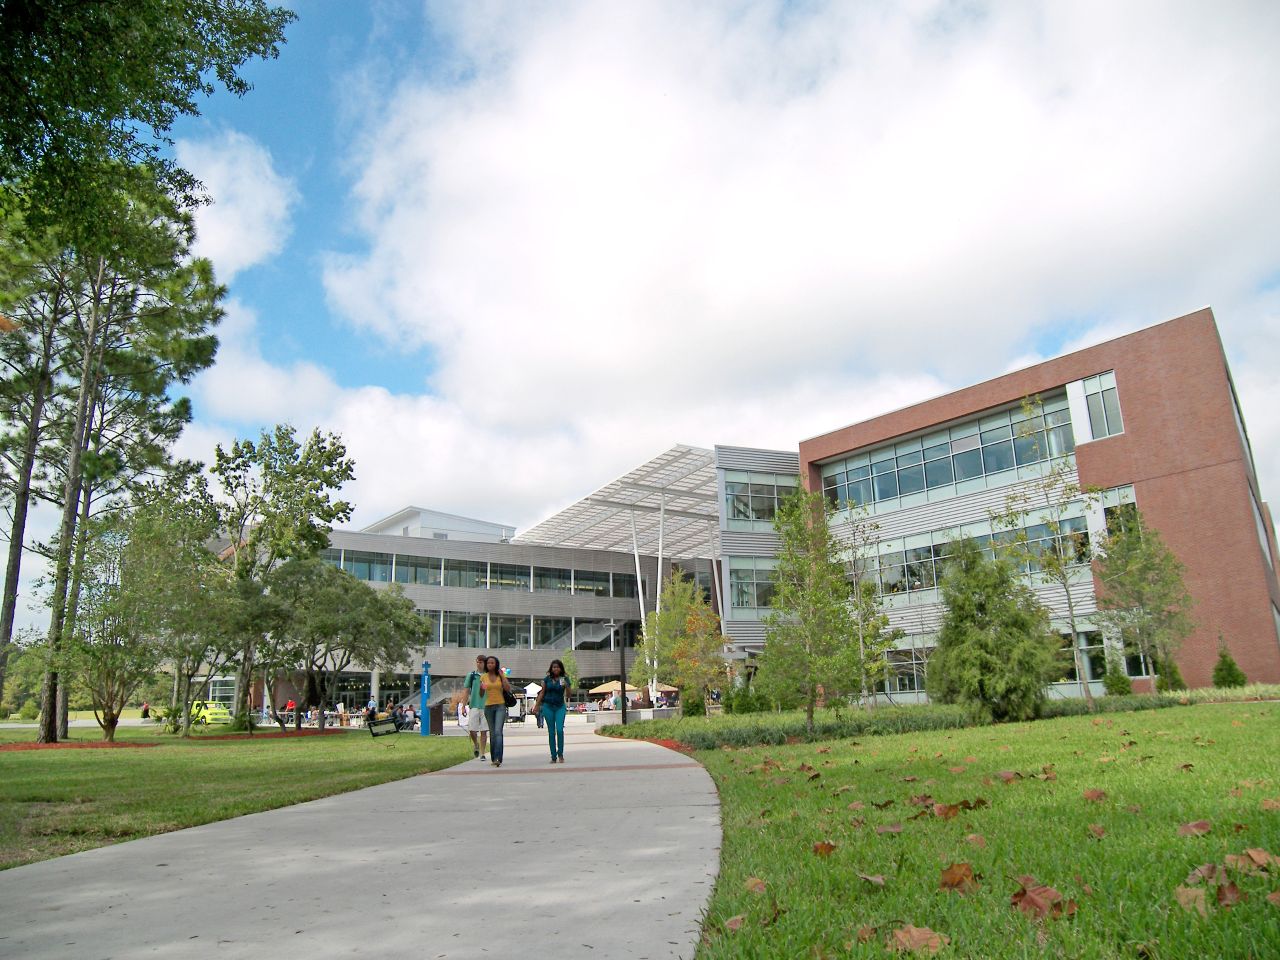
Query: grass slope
[(1157, 769), (54, 802)]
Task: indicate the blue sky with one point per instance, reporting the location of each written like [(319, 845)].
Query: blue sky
[(508, 250)]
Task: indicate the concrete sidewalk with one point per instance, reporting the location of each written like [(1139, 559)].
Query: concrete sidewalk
[(612, 854)]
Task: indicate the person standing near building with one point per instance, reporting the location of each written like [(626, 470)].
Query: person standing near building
[(551, 707), (477, 726), (496, 687)]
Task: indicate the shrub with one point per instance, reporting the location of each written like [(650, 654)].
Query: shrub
[(746, 700), (29, 711), (693, 706), (1169, 676), (1116, 681), (1226, 672), (1076, 707)]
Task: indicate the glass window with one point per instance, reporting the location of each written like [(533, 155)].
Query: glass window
[(937, 451), (329, 555), (884, 466), (1111, 406), (375, 567), (886, 484), (998, 433), (910, 480), (463, 629), (624, 585), (997, 457), (552, 633), (424, 571), (552, 578), (859, 492), (968, 464), (464, 573), (509, 576), (909, 459), (591, 581), (937, 473), (1029, 449), (1104, 405), (508, 631)]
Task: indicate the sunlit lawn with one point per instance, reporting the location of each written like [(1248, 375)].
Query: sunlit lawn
[(54, 802), (1116, 861)]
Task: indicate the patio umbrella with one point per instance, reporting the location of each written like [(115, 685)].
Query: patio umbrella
[(610, 687)]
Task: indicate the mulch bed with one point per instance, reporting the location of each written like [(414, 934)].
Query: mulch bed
[(675, 745), (71, 745)]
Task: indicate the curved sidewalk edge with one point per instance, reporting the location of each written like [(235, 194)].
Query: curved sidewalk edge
[(611, 855)]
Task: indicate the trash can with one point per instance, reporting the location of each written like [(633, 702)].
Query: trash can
[(436, 715)]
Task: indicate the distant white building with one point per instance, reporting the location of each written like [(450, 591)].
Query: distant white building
[(434, 525)]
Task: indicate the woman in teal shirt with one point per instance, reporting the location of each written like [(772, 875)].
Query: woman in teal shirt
[(551, 707)]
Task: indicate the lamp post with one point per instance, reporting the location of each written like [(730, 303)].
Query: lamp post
[(622, 670), (424, 718)]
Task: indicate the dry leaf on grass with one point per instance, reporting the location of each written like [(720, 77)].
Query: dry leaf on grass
[(875, 879), (1206, 871), (1271, 803), (977, 839), (1191, 899), (856, 805), (734, 924), (911, 939), (1097, 830), (1040, 900), (824, 848), (755, 885), (1196, 828), (1229, 895), (1274, 898), (959, 877), (889, 828), (1097, 796)]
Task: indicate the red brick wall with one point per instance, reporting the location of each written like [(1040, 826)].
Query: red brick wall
[(1181, 451)]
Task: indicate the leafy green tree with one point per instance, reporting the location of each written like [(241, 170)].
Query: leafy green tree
[(111, 651), (1035, 533), (996, 651), (1226, 672), (681, 642), (811, 639), (279, 506), (90, 91), (1143, 599)]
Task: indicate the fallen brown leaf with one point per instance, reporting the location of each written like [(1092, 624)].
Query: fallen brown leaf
[(881, 806), (1040, 900), (957, 769), (1097, 796), (1097, 830), (889, 828), (858, 823), (977, 839), (1206, 871), (945, 811), (734, 924), (911, 939), (856, 805), (755, 885), (865, 934), (1274, 898), (1008, 776), (1196, 828), (1241, 863), (1229, 895), (910, 779), (824, 848), (1262, 858), (959, 877), (1191, 899), (1271, 803), (875, 879)]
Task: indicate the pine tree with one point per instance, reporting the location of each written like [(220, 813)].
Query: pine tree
[(1226, 672), (996, 651)]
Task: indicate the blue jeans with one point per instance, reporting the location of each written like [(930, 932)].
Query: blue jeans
[(496, 717), (555, 728)]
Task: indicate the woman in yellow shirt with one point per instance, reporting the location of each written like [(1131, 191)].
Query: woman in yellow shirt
[(496, 686)]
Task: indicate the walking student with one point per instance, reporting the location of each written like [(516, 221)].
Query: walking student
[(496, 687), (476, 725), (552, 708)]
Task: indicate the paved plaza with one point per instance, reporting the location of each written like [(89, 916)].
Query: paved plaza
[(611, 855)]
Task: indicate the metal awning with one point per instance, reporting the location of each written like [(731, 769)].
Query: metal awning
[(668, 505)]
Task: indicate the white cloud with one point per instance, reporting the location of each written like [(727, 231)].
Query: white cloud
[(248, 220), (662, 214)]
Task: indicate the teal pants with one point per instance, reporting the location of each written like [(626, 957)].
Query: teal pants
[(554, 716)]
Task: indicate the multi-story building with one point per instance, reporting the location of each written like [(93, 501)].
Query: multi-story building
[(1150, 418)]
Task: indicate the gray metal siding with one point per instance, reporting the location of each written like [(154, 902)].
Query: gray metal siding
[(751, 458)]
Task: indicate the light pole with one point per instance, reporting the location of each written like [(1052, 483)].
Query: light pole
[(622, 669)]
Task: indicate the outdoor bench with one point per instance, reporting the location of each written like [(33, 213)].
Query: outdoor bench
[(385, 725)]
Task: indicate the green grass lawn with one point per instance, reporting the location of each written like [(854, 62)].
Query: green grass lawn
[(1119, 858), (54, 802)]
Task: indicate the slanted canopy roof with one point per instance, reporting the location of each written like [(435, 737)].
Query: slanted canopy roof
[(673, 495)]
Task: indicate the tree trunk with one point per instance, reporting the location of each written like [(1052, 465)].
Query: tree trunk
[(109, 723), (48, 732), (22, 495), (1075, 647)]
